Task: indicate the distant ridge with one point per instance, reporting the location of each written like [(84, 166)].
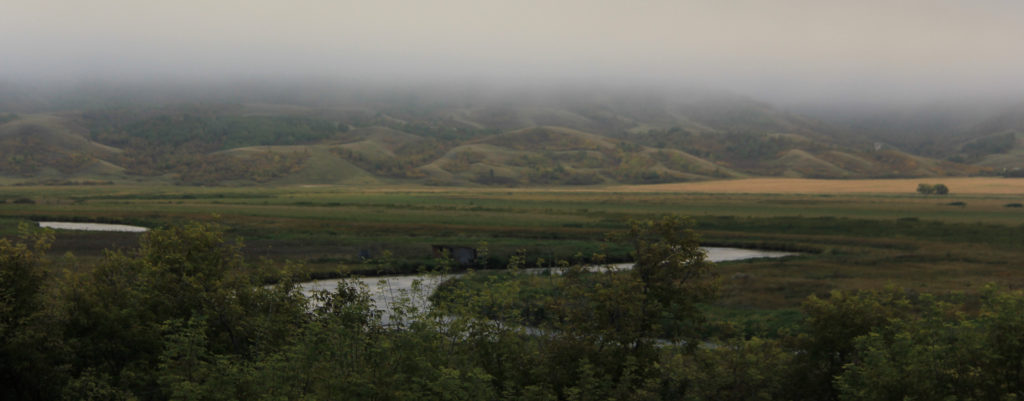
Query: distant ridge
[(580, 139)]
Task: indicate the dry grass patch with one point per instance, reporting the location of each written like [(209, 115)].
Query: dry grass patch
[(957, 186)]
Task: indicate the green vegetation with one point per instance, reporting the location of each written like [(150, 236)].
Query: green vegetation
[(186, 317), (891, 295), (981, 147), (761, 321), (184, 144), (929, 189), (846, 241), (212, 129), (28, 148), (446, 142)]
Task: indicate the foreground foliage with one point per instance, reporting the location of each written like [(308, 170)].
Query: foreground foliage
[(186, 318)]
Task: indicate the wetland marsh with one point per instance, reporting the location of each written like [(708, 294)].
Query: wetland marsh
[(861, 240)]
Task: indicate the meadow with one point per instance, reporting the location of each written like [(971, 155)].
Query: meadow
[(852, 234)]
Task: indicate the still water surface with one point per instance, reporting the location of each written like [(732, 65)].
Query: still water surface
[(388, 289), (61, 225), (385, 290)]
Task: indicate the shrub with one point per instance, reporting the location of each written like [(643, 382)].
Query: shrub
[(929, 189)]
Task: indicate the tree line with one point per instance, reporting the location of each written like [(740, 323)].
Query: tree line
[(185, 317)]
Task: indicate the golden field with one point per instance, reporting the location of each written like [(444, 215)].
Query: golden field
[(957, 186)]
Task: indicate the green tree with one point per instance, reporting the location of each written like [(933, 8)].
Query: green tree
[(943, 352), (673, 275), (830, 330), (929, 189), (936, 353), (120, 317), (31, 349), (1002, 320), (755, 369), (21, 278), (608, 324)]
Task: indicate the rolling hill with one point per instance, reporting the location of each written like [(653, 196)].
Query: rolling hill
[(578, 139)]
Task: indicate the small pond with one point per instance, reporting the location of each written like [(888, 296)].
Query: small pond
[(63, 225)]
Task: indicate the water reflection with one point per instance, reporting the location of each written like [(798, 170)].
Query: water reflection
[(61, 225), (389, 289)]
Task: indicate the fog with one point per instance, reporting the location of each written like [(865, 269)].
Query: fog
[(794, 52)]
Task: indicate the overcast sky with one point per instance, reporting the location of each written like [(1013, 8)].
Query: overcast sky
[(791, 50)]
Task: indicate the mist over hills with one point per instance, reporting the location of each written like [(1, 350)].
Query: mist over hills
[(451, 134)]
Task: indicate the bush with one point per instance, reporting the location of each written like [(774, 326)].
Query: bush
[(928, 189)]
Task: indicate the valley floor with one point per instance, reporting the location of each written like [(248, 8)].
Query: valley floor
[(853, 234)]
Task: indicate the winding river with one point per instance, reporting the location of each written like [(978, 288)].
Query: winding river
[(388, 289)]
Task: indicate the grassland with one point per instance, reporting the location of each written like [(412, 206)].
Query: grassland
[(852, 234), (965, 186)]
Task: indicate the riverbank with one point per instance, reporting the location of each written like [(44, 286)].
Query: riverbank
[(386, 289)]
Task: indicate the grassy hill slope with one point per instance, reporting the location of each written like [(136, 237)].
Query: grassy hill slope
[(582, 139)]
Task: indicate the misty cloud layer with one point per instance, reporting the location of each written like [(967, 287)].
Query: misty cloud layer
[(790, 50)]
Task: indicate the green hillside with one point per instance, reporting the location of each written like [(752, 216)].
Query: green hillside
[(483, 142)]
